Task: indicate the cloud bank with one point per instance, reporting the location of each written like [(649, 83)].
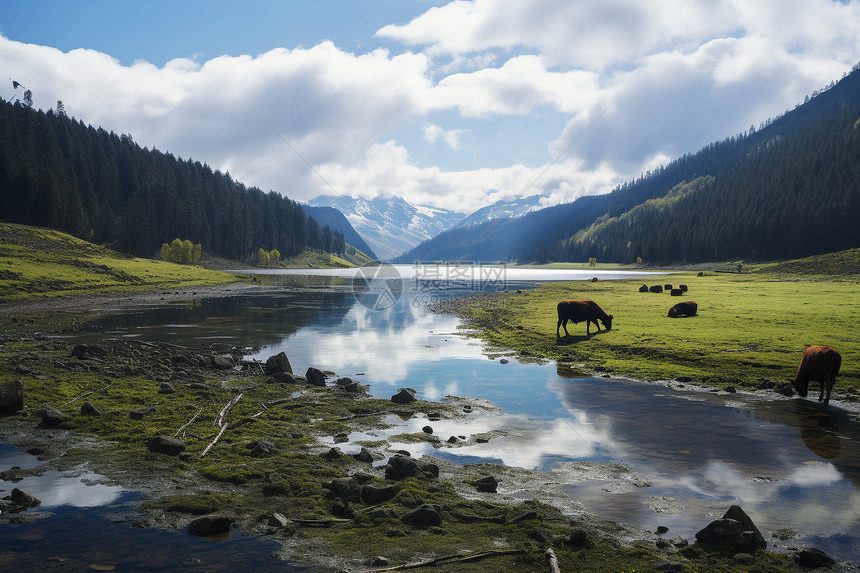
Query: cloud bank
[(613, 88)]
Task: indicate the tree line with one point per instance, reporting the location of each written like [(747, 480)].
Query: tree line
[(57, 172)]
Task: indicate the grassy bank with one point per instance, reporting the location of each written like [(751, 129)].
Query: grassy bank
[(37, 262), (750, 327)]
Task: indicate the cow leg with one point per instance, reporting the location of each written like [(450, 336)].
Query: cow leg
[(821, 394), (829, 389), (557, 326)]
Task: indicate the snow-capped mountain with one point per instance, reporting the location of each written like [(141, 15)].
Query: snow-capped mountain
[(502, 210), (390, 225)]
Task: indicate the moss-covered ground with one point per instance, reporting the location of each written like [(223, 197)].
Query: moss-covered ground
[(751, 327)]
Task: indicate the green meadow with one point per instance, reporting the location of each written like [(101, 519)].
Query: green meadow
[(751, 327), (44, 262)]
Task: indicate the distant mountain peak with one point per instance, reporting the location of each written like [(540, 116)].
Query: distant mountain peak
[(390, 225)]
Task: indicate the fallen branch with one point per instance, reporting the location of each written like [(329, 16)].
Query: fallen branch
[(459, 558), (468, 517), (553, 561), (320, 522), (226, 409), (189, 422), (213, 442)]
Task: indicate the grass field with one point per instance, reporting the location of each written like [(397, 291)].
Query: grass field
[(750, 327), (44, 262)]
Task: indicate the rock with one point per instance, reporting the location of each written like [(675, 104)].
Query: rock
[(813, 558), (262, 449), (487, 484), (661, 529), (139, 413), (210, 524), (404, 396), (347, 384), (166, 445), (401, 467), (735, 512), (452, 440), (87, 409), (346, 488), (374, 493), (278, 363), (426, 515), (278, 520), (379, 562), (504, 361), (730, 389), (284, 378), (744, 558), (364, 456), (431, 469), (427, 430), (333, 454), (166, 388), (735, 529), (21, 369), (785, 389), (12, 396), (53, 417), (223, 362), (22, 499), (315, 376)]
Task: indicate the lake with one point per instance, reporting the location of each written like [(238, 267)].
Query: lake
[(680, 457)]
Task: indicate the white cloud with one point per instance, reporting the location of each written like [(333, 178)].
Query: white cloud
[(636, 83)]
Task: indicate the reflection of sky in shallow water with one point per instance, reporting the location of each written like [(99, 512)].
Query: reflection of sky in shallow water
[(54, 488)]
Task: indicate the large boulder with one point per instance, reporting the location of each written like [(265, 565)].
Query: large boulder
[(166, 445), (315, 376), (347, 488), (374, 493), (426, 515), (52, 417), (401, 467), (404, 396), (210, 524), (813, 558), (12, 396), (278, 363), (735, 530), (22, 499)]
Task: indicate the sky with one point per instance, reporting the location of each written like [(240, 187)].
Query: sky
[(453, 105)]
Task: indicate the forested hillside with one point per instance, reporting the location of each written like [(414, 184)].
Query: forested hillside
[(788, 189), (57, 172)]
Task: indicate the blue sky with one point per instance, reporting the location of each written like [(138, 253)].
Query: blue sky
[(449, 104)]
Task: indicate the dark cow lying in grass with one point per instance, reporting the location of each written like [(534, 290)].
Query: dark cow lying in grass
[(688, 308), (818, 364), (576, 311)]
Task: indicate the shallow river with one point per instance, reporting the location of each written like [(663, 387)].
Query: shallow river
[(685, 455)]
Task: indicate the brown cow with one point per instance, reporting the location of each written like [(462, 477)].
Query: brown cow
[(688, 308), (818, 364), (576, 311)]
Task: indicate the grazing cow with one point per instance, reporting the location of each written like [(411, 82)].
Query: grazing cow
[(576, 311), (683, 288), (676, 292), (818, 364), (667, 287), (656, 288), (643, 288), (688, 308)]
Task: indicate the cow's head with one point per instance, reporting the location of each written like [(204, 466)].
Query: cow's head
[(802, 387), (673, 312), (607, 323)]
